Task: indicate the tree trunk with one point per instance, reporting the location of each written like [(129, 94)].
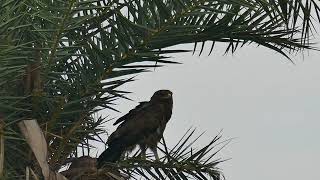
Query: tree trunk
[(1, 145)]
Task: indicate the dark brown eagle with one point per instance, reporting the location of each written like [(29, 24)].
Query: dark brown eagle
[(144, 126)]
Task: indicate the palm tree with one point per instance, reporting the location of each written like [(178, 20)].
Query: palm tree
[(61, 62)]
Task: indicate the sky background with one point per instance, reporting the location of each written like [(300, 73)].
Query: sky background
[(268, 104)]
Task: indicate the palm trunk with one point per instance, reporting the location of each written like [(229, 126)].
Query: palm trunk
[(1, 146)]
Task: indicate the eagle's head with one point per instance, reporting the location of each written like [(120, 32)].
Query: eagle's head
[(162, 95)]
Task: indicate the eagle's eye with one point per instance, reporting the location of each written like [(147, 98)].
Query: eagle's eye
[(167, 95)]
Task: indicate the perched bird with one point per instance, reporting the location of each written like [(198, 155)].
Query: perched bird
[(144, 126)]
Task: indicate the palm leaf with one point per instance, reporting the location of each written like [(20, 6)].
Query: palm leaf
[(182, 162)]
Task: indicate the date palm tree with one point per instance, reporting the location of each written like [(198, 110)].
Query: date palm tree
[(62, 61)]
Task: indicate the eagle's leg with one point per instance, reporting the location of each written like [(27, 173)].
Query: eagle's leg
[(143, 151), (155, 152)]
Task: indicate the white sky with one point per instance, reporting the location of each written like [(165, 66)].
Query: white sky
[(256, 95)]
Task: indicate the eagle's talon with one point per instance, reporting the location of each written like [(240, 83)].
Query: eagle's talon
[(143, 156)]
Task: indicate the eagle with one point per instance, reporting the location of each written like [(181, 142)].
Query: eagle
[(144, 126)]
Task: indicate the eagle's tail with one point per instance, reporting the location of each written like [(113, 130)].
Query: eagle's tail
[(111, 155)]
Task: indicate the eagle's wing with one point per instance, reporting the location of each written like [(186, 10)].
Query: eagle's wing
[(142, 126), (132, 112), (139, 124), (133, 130)]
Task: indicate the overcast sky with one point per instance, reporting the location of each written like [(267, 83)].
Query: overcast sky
[(257, 96)]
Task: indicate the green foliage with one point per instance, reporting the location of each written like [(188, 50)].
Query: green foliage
[(63, 61), (180, 162)]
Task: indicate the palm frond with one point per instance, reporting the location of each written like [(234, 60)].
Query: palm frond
[(180, 162)]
